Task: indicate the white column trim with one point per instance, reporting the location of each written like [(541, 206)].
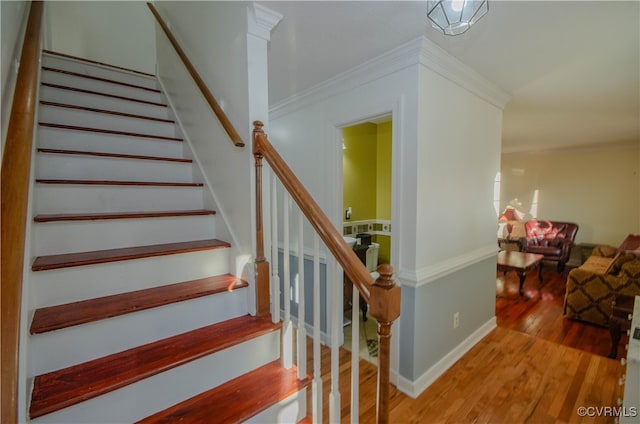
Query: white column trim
[(261, 21)]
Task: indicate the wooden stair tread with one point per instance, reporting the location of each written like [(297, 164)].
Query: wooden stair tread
[(120, 215), (81, 312), (100, 79), (82, 59), (113, 155), (106, 111), (237, 400), (105, 131), (114, 182), (66, 260), (62, 388), (98, 93)]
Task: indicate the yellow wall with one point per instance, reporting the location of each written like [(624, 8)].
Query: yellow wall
[(367, 177), (359, 171)]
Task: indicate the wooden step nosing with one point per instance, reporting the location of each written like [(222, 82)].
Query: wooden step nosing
[(99, 64), (124, 303), (107, 112), (69, 260), (121, 215), (237, 387), (98, 93), (113, 155), (111, 132), (262, 327), (101, 80)]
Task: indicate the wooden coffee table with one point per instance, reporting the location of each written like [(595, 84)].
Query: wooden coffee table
[(520, 263)]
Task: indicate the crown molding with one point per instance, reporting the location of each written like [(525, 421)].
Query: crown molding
[(395, 60), (576, 148), (261, 20), (439, 61)]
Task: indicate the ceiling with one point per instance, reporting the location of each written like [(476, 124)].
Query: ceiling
[(572, 68)]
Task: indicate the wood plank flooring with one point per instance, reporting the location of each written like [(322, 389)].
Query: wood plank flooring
[(536, 367)]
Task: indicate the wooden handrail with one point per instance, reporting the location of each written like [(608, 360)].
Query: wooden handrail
[(16, 166), (351, 264), (222, 117), (383, 295)]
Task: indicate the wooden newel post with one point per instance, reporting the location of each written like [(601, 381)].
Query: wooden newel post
[(385, 308), (261, 264)]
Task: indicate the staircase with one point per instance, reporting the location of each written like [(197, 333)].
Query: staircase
[(135, 314)]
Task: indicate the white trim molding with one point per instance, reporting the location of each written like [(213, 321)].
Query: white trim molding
[(418, 51), (415, 388), (401, 57), (439, 61), (428, 274), (261, 21)]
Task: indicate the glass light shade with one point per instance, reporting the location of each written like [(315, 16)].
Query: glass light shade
[(454, 17)]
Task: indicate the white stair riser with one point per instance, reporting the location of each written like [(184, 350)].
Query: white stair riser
[(83, 118), (96, 70), (53, 238), (290, 410), (59, 349), (65, 285), (70, 198), (60, 138), (81, 167), (60, 95), (100, 86), (139, 400)]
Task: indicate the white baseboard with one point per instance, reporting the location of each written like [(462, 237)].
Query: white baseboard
[(415, 388)]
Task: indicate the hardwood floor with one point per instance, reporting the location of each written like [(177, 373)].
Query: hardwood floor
[(539, 313), (536, 367)]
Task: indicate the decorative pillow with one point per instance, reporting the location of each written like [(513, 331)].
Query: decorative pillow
[(619, 260), (631, 269)]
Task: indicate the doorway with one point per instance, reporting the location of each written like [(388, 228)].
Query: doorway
[(367, 183)]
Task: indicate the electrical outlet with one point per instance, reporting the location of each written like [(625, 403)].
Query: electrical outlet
[(456, 320)]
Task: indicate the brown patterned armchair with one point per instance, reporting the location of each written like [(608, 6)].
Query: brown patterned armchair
[(606, 273), (553, 239)]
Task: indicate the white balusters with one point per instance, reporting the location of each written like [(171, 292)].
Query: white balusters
[(287, 336), (355, 349), (275, 278), (335, 318), (302, 330), (316, 388)]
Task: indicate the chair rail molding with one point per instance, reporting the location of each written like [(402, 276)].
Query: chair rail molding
[(434, 272)]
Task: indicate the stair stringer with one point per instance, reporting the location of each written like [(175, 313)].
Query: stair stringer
[(241, 261)]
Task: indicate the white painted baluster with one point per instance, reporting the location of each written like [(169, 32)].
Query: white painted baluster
[(316, 387), (287, 336), (275, 278), (302, 329), (355, 356), (336, 321)]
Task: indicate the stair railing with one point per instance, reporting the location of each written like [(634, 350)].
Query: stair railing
[(16, 166), (382, 295)]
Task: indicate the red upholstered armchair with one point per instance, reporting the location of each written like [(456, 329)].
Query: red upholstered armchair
[(553, 239)]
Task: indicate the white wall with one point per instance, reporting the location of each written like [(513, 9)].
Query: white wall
[(114, 32), (598, 188), (446, 150), (218, 38), (14, 16)]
